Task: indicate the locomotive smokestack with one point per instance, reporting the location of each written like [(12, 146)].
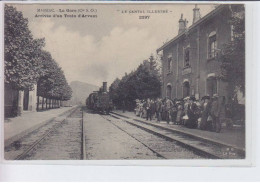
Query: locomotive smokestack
[(105, 86)]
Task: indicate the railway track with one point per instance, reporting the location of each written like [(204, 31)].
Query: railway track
[(163, 149), (25, 145), (202, 147), (132, 136)]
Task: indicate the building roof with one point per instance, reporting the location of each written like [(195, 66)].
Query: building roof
[(200, 21)]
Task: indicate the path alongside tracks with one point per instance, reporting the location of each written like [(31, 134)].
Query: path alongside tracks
[(202, 146), (234, 137), (15, 128), (48, 141)]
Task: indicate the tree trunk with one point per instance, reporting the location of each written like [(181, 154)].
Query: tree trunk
[(38, 101), (42, 103), (46, 105)]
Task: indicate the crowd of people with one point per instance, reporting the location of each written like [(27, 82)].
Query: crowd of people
[(206, 114)]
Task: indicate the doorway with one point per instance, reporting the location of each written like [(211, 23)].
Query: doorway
[(169, 91), (186, 89)]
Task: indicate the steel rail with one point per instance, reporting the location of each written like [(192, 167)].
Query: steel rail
[(37, 142), (157, 154), (197, 150)]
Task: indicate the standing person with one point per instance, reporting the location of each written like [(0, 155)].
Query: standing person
[(214, 112), (145, 109), (179, 113), (229, 115), (168, 109), (192, 113), (164, 109), (153, 109), (137, 107), (141, 108), (174, 112), (185, 115), (222, 111), (159, 110), (148, 110), (205, 110)]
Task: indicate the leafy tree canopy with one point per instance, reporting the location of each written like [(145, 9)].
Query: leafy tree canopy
[(22, 63), (142, 83), (26, 63), (232, 56)]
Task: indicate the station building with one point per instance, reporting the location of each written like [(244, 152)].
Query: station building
[(190, 63), (18, 101)]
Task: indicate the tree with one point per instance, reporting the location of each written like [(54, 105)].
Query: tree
[(232, 56), (52, 84), (113, 93), (142, 83), (27, 64), (21, 51)]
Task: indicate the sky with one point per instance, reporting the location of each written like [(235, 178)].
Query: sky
[(103, 48)]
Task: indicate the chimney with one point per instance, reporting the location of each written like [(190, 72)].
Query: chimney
[(104, 86), (182, 24), (196, 14)]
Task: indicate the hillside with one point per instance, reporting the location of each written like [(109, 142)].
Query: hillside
[(81, 91)]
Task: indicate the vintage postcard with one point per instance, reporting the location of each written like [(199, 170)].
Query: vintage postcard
[(119, 82)]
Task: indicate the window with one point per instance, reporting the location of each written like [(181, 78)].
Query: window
[(169, 67), (212, 47), (187, 58)]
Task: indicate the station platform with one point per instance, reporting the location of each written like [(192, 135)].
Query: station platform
[(234, 137), (18, 126)]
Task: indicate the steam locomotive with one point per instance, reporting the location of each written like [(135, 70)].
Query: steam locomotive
[(99, 101)]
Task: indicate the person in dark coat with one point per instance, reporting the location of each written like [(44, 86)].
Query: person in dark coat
[(168, 105), (192, 113), (179, 113), (149, 110), (205, 110), (174, 113), (144, 109), (153, 108), (164, 109), (214, 112)]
